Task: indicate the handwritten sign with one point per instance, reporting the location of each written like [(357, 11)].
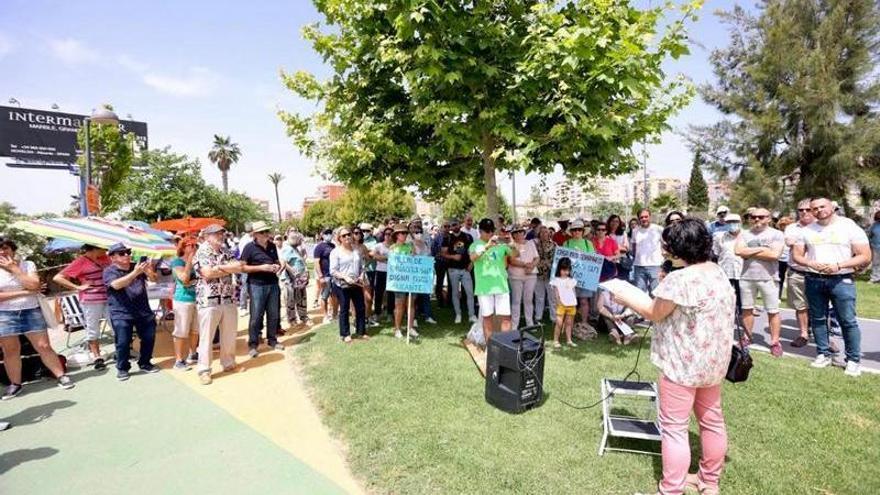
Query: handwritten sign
[(585, 267), (407, 273)]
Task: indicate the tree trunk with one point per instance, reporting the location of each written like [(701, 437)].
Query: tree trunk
[(278, 203), (225, 181), (489, 178)]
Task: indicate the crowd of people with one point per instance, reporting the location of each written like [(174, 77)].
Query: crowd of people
[(503, 276)]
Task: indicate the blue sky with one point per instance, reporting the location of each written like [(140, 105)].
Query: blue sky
[(194, 69)]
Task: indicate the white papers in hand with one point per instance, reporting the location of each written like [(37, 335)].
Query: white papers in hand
[(629, 293)]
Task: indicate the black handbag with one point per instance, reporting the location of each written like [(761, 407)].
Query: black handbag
[(740, 359)]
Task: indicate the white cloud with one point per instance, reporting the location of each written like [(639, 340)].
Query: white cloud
[(131, 64), (6, 46), (198, 82), (72, 51)]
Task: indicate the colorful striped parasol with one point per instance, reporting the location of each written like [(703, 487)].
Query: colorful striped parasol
[(100, 232)]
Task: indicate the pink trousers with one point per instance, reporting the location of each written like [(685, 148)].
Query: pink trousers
[(676, 403)]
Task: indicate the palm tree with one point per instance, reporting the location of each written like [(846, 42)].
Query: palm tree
[(224, 154), (275, 178)]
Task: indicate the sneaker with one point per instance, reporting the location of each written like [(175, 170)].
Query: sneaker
[(229, 369), (430, 320), (192, 358), (853, 369), (11, 391), (457, 318), (776, 350), (149, 368), (4, 425), (122, 375), (373, 324), (327, 320), (278, 346), (572, 344), (799, 341), (397, 334), (253, 352), (557, 345), (413, 333), (181, 366), (415, 323), (65, 382), (205, 378), (821, 361), (472, 319), (99, 364)]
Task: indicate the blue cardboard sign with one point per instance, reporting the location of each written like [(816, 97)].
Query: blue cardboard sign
[(585, 267), (408, 273)]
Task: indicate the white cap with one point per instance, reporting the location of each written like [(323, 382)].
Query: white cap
[(732, 217), (722, 209)]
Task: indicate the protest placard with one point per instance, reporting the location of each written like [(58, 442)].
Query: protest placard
[(585, 267), (408, 273)]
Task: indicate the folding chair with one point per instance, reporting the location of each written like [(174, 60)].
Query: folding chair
[(629, 411)]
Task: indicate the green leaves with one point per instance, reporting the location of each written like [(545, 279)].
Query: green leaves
[(420, 88)]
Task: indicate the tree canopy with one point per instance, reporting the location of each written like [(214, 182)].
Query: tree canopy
[(429, 94), (223, 154), (112, 157), (171, 186), (374, 204), (799, 85), (466, 199)]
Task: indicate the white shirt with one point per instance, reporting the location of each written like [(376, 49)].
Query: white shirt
[(565, 287), (792, 233), (647, 243), (9, 283), (832, 243), (382, 250), (723, 245), (474, 232)]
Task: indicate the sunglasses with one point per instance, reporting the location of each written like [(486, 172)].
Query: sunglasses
[(601, 229), (343, 236), (122, 253), (577, 230), (804, 209), (759, 217)]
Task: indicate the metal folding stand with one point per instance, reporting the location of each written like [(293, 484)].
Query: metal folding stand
[(629, 411)]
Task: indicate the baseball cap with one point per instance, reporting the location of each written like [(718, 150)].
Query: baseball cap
[(722, 209), (487, 225), (732, 217), (576, 224), (118, 248)]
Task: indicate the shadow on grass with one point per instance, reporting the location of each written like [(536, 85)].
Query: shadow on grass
[(11, 459)]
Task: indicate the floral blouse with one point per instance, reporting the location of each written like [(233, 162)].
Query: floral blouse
[(692, 345), (546, 249)]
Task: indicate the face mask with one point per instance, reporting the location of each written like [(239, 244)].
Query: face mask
[(328, 237)]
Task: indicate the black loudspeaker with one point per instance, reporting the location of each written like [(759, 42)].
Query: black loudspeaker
[(515, 370)]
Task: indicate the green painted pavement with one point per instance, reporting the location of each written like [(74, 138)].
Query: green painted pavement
[(151, 435)]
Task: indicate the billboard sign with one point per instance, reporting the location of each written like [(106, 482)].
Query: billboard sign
[(44, 136)]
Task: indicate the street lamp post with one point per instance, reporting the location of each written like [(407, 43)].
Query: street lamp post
[(99, 116)]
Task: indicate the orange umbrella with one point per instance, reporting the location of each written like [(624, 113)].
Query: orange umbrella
[(188, 224)]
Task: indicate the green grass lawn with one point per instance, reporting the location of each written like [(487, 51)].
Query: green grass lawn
[(414, 420), (868, 301)]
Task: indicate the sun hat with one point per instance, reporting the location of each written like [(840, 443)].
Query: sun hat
[(117, 248), (260, 226), (213, 229)]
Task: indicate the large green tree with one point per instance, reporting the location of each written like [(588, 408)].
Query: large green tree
[(698, 191), (469, 199), (319, 216), (431, 93), (112, 156), (798, 84), (171, 186), (224, 153), (374, 204)]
